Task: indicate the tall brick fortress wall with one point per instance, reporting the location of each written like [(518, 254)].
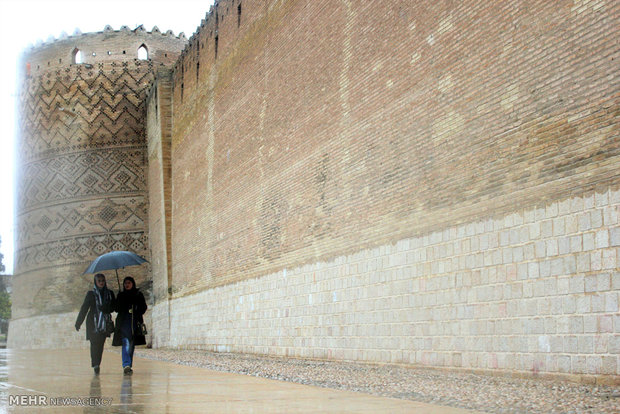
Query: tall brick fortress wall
[(82, 172), (432, 183)]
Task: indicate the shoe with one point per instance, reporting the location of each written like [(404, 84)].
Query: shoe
[(96, 369), (127, 370)]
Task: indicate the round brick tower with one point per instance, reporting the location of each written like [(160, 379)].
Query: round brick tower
[(81, 171)]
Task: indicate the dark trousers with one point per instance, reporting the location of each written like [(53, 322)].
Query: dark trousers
[(96, 348)]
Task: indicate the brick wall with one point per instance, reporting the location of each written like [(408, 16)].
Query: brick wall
[(323, 127), (430, 183)]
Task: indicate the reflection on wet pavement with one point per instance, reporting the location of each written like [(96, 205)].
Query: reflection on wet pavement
[(63, 381)]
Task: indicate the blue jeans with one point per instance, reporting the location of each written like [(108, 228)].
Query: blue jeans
[(127, 352)]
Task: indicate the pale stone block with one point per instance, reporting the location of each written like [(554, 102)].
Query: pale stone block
[(539, 288), (583, 305), (507, 256), (611, 301), (563, 245), (509, 221), (605, 324), (576, 204), (534, 230), (589, 241), (545, 268), (609, 365), (590, 283), (551, 286), (614, 234), (559, 226), (564, 207), (593, 364), (564, 287), (533, 270), (551, 210), (556, 344), (596, 260), (600, 343), (615, 281), (524, 234), (539, 214), (558, 267), (576, 324), (603, 282), (518, 218), (597, 303), (609, 258), (614, 344), (572, 224), (611, 216), (550, 326), (540, 249), (583, 262), (514, 236), (596, 218), (546, 228), (584, 222), (564, 363), (602, 239), (576, 244), (601, 199), (614, 196), (552, 247), (504, 238), (531, 307), (578, 364), (588, 201), (517, 254)]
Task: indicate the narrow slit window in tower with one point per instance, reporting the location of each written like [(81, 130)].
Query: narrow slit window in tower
[(77, 56), (143, 53), (239, 15)]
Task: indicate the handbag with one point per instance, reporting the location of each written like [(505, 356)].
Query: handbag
[(109, 326), (142, 329)]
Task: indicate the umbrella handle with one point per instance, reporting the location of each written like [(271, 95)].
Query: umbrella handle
[(118, 280)]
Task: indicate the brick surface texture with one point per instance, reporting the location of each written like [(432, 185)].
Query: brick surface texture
[(430, 183), (82, 167)]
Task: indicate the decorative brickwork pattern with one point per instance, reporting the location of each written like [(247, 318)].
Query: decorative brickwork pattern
[(80, 129), (82, 174), (83, 162)]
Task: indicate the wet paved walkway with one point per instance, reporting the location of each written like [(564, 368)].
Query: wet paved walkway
[(62, 381)]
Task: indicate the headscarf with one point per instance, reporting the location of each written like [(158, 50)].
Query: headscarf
[(103, 298), (133, 289)]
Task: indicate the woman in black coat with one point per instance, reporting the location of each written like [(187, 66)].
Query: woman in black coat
[(97, 306), (130, 306)]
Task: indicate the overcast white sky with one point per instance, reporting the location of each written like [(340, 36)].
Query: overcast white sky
[(24, 22)]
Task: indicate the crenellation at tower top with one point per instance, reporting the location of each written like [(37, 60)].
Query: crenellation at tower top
[(106, 45)]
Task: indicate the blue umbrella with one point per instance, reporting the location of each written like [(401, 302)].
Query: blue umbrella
[(116, 259)]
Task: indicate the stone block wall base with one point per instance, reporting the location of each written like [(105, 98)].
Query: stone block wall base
[(535, 292), (46, 332)]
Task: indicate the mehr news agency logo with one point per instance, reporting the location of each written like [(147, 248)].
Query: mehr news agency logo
[(44, 400)]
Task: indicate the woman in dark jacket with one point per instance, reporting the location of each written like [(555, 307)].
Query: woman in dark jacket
[(130, 306), (98, 303)]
